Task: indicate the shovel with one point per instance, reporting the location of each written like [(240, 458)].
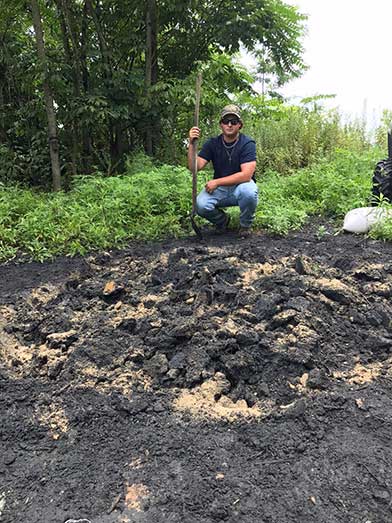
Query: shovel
[(195, 227)]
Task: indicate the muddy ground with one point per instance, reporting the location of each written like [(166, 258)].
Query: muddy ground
[(237, 380)]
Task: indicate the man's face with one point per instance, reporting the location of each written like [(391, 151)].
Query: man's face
[(230, 125)]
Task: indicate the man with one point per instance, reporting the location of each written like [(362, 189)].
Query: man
[(233, 156)]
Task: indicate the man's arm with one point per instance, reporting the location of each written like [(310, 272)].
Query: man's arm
[(194, 134), (245, 175)]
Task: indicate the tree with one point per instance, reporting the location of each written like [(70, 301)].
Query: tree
[(122, 72), (270, 74), (151, 64), (52, 125)]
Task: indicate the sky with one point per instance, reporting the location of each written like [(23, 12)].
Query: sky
[(348, 48)]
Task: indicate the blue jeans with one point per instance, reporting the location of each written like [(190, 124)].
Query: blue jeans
[(245, 195)]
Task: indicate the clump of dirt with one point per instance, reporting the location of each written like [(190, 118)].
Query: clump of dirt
[(135, 494), (53, 417), (233, 380), (209, 400)]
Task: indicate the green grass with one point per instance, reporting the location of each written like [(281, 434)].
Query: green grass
[(329, 188), (97, 213), (100, 213)]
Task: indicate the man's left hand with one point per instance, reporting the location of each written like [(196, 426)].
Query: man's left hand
[(211, 186)]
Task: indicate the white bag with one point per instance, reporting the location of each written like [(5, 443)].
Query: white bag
[(361, 220)]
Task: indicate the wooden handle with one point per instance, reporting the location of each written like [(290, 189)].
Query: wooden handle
[(197, 101), (194, 143)]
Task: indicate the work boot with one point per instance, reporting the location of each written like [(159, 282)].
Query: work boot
[(225, 226), (245, 232)]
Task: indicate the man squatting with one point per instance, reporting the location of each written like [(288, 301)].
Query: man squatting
[(233, 156)]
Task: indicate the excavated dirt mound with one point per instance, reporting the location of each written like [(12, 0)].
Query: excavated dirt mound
[(244, 381)]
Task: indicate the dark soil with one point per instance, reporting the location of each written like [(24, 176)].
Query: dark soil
[(244, 381)]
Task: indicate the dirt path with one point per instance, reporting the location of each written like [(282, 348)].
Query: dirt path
[(244, 381)]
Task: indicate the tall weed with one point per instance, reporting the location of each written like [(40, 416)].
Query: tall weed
[(101, 212), (330, 188), (301, 137)]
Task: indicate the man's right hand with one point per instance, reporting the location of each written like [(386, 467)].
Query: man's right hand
[(194, 134)]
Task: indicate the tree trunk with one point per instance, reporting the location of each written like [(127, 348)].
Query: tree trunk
[(86, 134), (108, 77), (52, 125), (151, 66), (3, 131), (73, 133), (101, 39), (83, 50)]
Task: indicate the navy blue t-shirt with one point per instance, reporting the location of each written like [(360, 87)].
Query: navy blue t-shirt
[(227, 160)]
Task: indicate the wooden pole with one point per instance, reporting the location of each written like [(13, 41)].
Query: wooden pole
[(195, 142)]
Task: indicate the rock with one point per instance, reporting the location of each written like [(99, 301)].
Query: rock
[(338, 398), (378, 316), (263, 389), (381, 495), (2, 502), (128, 325), (136, 355), (178, 361), (218, 511), (299, 304), (343, 264), (133, 407), (357, 318), (224, 333), (55, 369), (156, 280), (183, 331), (283, 318), (157, 365), (266, 307), (336, 295), (159, 407), (298, 355), (9, 458), (246, 338), (173, 374), (300, 266), (377, 343), (112, 290), (378, 288), (316, 379), (296, 409), (61, 340), (335, 290), (360, 404), (237, 392)]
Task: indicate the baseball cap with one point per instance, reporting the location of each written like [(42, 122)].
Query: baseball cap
[(231, 109)]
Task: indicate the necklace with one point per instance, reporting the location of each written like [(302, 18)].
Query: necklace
[(229, 148)]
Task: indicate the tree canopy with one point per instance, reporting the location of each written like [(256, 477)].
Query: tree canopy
[(121, 75)]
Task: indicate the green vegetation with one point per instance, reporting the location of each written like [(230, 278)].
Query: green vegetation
[(97, 213), (112, 87), (103, 212), (291, 137), (120, 76), (329, 188)]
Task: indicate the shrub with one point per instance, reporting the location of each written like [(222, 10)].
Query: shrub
[(102, 212)]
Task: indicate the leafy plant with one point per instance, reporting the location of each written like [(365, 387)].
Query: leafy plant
[(101, 212)]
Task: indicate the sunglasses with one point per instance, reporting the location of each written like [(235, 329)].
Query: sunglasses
[(233, 121)]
